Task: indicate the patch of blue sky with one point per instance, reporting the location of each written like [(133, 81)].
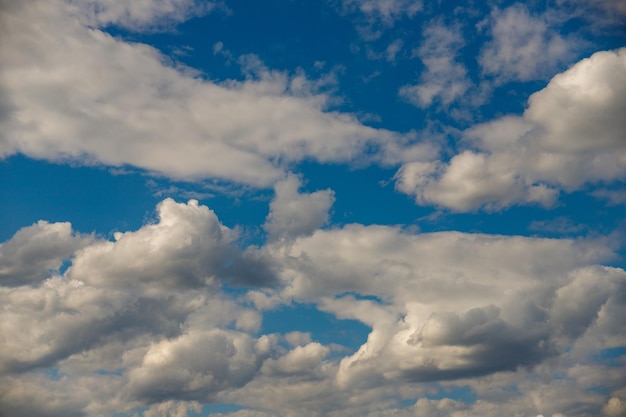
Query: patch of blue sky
[(53, 373), (91, 198), (115, 372), (614, 357), (211, 409), (324, 327), (364, 195), (465, 394)]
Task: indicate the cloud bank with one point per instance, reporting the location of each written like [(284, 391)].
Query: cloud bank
[(148, 316)]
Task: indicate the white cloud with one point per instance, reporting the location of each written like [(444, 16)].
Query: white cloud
[(196, 365), (523, 47), (86, 96), (470, 180), (298, 338), (437, 320), (302, 359), (138, 15), (295, 214), (393, 49), (571, 134), (385, 10), (615, 408), (614, 197), (160, 280), (37, 395), (172, 409), (166, 338), (559, 225), (444, 79), (580, 110), (141, 325), (187, 248), (34, 252), (43, 324)]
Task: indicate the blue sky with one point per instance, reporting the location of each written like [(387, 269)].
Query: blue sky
[(312, 208)]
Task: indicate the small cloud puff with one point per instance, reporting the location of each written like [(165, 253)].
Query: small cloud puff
[(294, 214)]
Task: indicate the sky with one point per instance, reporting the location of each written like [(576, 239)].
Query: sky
[(331, 208)]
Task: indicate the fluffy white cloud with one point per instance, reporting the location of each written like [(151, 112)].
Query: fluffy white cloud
[(570, 134), (87, 96), (294, 214), (188, 247), (507, 310), (580, 111), (196, 365), (523, 47), (470, 180), (43, 324), (444, 78), (161, 281), (302, 359), (33, 252), (439, 320), (615, 407)]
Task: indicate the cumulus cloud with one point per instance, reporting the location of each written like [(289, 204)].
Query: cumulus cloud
[(188, 247), (444, 78), (570, 135), (294, 214), (437, 320), (43, 324), (36, 251), (158, 282), (523, 47), (300, 360), (86, 96), (470, 180), (615, 408), (196, 365), (142, 316)]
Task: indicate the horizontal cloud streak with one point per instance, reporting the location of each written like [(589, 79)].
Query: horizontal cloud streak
[(86, 96)]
